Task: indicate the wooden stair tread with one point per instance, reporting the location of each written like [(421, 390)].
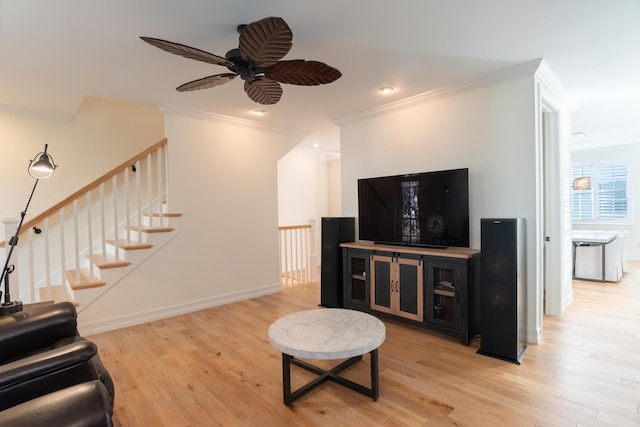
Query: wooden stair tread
[(165, 214), (153, 229), (84, 281), (132, 246), (108, 261)]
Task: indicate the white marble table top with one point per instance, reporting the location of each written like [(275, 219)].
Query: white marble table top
[(327, 333), (593, 236)]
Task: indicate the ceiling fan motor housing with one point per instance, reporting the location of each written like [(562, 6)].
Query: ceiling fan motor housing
[(245, 69)]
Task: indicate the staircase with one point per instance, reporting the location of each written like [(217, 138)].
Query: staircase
[(83, 246)]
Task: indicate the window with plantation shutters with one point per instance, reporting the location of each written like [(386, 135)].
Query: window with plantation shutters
[(612, 192), (606, 199)]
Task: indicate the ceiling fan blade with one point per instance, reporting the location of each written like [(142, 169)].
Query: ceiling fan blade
[(263, 91), (301, 72), (207, 82), (266, 41), (187, 51)]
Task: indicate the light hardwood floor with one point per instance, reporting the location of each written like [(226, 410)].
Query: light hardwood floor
[(216, 367)]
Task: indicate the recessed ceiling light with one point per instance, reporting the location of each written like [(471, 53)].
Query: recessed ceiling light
[(259, 112), (385, 90)]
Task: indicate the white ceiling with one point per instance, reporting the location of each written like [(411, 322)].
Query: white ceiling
[(53, 53)]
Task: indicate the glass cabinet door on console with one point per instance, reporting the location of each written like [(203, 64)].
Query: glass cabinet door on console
[(356, 290), (397, 285), (446, 285)]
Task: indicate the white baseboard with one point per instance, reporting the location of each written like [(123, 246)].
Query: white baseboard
[(533, 335), (100, 326), (567, 302)]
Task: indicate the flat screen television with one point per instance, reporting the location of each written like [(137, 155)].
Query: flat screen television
[(428, 209)]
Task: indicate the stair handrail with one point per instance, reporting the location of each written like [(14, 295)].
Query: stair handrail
[(89, 187)]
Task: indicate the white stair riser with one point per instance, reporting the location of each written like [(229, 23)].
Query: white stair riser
[(144, 237), (111, 276), (156, 221), (135, 257)]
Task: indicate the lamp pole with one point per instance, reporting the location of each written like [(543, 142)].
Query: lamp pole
[(8, 306), (43, 165)]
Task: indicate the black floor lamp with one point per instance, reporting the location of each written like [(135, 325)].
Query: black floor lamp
[(41, 167)]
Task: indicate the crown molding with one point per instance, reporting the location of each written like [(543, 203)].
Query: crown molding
[(511, 73), (552, 86), (607, 141), (37, 113), (199, 114)]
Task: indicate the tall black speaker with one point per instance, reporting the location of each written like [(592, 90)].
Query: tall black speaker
[(334, 232), (502, 289)]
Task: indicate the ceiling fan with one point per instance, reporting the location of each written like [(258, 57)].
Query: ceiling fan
[(257, 61)]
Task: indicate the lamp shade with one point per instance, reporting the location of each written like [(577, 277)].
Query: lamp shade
[(44, 167), (582, 183)]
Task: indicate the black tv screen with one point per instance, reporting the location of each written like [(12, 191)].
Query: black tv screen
[(423, 209)]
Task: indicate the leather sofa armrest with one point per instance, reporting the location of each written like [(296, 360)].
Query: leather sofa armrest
[(82, 405), (50, 361), (35, 328)]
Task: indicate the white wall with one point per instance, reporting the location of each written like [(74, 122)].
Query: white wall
[(309, 179), (223, 179), (308, 187), (335, 191), (490, 130), (302, 187)]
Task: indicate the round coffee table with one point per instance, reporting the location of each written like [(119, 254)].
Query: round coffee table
[(328, 333)]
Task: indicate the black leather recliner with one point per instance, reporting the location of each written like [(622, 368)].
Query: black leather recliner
[(82, 405), (41, 353)]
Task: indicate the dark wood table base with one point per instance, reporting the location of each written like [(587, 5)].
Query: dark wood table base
[(330, 375)]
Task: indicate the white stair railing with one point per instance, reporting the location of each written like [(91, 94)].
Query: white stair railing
[(298, 263), (71, 235)]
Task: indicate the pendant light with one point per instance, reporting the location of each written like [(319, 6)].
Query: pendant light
[(582, 182)]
